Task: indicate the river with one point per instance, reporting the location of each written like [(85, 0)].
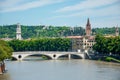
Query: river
[(61, 70)]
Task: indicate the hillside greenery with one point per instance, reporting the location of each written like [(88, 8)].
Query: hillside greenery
[(104, 31), (50, 31), (40, 31)]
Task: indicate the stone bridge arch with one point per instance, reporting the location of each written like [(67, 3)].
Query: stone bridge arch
[(69, 55), (80, 56), (38, 55), (23, 56), (61, 55), (14, 58), (51, 55)]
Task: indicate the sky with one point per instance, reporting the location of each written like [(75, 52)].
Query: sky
[(102, 13)]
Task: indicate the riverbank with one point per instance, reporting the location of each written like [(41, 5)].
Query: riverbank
[(107, 59), (112, 59)]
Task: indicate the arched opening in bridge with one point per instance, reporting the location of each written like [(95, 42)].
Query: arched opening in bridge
[(14, 59), (19, 56), (36, 57), (63, 57), (54, 55), (74, 56)]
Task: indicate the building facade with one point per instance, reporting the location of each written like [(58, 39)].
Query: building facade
[(83, 42)]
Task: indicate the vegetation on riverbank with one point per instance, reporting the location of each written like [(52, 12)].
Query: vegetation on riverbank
[(41, 44), (112, 59), (108, 59), (107, 45), (5, 50), (5, 53), (107, 48)]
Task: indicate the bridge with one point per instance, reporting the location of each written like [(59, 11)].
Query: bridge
[(51, 54)]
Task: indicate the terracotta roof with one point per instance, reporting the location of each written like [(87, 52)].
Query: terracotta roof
[(74, 37), (7, 39), (91, 37), (81, 37)]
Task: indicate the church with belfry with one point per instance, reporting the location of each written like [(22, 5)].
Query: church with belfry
[(88, 40), (83, 42)]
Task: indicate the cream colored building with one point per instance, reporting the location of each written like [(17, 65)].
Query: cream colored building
[(83, 42)]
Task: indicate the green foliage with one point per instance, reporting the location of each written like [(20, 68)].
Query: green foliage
[(40, 31), (111, 59), (104, 31), (5, 50), (49, 31), (8, 31), (107, 44), (42, 44)]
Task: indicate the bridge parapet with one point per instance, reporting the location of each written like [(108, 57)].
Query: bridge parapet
[(46, 52)]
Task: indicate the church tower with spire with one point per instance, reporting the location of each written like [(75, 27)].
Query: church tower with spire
[(88, 28), (117, 31)]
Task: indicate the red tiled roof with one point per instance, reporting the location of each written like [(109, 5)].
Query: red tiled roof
[(81, 37), (74, 37)]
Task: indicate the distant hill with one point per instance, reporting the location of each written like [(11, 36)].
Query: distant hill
[(105, 31), (49, 31)]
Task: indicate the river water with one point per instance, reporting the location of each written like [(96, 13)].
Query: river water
[(61, 70)]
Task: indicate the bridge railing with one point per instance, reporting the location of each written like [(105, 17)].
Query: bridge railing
[(50, 52)]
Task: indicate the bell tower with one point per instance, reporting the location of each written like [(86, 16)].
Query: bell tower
[(117, 31), (18, 32), (88, 28)]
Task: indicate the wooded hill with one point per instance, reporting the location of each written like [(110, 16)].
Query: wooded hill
[(50, 31)]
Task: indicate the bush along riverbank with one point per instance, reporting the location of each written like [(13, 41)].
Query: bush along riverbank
[(105, 57), (108, 59), (112, 59)]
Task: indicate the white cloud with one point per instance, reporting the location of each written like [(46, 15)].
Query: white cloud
[(13, 5), (102, 17), (112, 10), (87, 4), (9, 3)]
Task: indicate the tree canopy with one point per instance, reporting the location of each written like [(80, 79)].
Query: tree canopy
[(107, 44), (5, 50), (41, 44)]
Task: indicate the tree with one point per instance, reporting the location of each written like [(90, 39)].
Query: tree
[(41, 44), (5, 53), (5, 50), (99, 46), (107, 44)]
